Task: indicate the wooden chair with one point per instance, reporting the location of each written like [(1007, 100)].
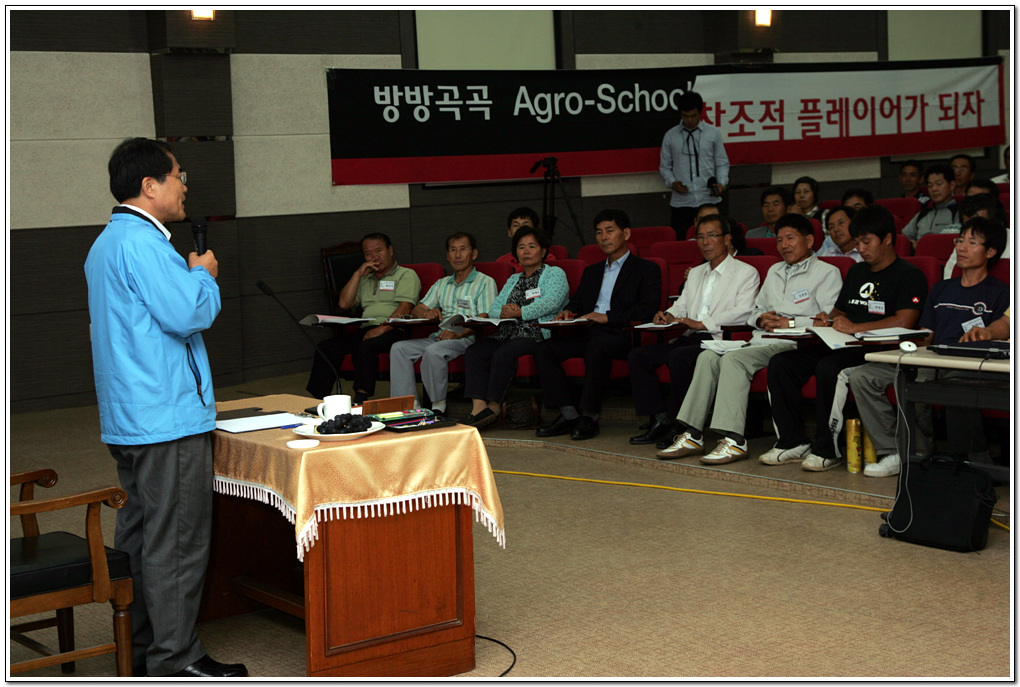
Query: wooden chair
[(57, 571), (338, 264)]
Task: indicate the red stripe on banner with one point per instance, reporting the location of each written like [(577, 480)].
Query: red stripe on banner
[(418, 170), (463, 168)]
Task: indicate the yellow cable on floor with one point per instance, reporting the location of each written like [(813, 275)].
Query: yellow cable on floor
[(701, 491)]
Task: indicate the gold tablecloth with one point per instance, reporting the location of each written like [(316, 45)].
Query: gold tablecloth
[(382, 474)]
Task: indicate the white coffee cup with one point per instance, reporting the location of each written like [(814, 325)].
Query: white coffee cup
[(332, 406)]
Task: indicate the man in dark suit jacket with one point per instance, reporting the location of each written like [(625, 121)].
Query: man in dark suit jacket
[(612, 294)]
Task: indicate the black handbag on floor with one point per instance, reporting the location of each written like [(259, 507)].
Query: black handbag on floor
[(943, 503)]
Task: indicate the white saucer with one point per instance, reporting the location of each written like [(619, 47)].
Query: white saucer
[(303, 443)]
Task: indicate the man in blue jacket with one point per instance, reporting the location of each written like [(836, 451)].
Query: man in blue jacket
[(148, 307)]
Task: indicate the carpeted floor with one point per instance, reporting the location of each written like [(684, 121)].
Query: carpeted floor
[(605, 580)]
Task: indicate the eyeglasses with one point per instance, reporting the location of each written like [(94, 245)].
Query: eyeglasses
[(183, 176), (970, 242), (708, 237)]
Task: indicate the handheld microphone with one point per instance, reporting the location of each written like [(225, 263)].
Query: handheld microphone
[(264, 288), (198, 228), (712, 184)]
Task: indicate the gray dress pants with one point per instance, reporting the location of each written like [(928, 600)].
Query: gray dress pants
[(435, 374), (165, 529)]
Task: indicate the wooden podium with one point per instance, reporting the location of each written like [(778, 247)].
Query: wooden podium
[(380, 596)]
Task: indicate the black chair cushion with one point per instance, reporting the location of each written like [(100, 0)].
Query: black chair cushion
[(55, 561)]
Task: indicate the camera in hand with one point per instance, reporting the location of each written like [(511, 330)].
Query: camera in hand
[(345, 423)]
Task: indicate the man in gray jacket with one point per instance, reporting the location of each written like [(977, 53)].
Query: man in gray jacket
[(793, 292), (939, 213)]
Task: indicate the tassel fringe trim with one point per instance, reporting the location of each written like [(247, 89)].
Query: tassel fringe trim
[(367, 509)]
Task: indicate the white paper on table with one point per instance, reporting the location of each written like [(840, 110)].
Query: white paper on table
[(579, 320), (890, 333), (408, 320), (251, 424), (650, 325), (834, 339)]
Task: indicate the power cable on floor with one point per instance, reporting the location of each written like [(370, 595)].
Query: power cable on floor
[(711, 493), (512, 653)]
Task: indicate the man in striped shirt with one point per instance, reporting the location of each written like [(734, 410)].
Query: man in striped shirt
[(466, 292)]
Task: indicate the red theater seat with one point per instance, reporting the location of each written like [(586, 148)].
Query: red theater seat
[(929, 266), (644, 237), (767, 246), (902, 209), (591, 253), (842, 262), (678, 256), (938, 246), (499, 271)]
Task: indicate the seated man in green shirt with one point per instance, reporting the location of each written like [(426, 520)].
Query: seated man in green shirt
[(382, 289)]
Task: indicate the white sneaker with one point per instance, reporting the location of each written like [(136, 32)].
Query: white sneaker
[(815, 463), (779, 456), (683, 445), (727, 451), (886, 467)]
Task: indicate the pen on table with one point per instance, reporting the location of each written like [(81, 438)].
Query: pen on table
[(291, 426)]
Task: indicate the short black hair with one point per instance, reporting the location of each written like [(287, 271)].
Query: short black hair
[(376, 236), (968, 158), (943, 168), (780, 191), (456, 236), (911, 163), (862, 193), (691, 100), (132, 161), (799, 222), (971, 205), (737, 237), (523, 212), (873, 219), (994, 234), (610, 215), (540, 238), (987, 184), (724, 222), (850, 212), (810, 182)]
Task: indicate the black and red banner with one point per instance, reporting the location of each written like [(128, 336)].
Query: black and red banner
[(420, 126)]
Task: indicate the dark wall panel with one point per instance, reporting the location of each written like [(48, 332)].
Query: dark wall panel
[(284, 250), (47, 270), (51, 355), (210, 168), (812, 31), (329, 32), (191, 95), (639, 31), (173, 29), (79, 30)]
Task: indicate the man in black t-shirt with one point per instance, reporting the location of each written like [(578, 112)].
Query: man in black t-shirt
[(953, 308), (883, 291)]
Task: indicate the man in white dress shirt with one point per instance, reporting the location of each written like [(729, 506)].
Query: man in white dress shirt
[(717, 293), (692, 155)]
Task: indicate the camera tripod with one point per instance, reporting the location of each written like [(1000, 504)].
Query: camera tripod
[(551, 181)]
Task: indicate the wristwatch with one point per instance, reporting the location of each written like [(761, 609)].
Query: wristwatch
[(793, 324)]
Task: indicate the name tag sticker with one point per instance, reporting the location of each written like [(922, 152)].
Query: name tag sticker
[(532, 293), (970, 324), (387, 285), (463, 303), (876, 307), (801, 296)]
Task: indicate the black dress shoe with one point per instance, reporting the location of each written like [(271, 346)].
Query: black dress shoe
[(559, 427), (587, 428), (206, 667), (655, 433), (667, 441)]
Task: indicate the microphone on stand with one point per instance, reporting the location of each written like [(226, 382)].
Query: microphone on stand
[(198, 228), (264, 288)]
